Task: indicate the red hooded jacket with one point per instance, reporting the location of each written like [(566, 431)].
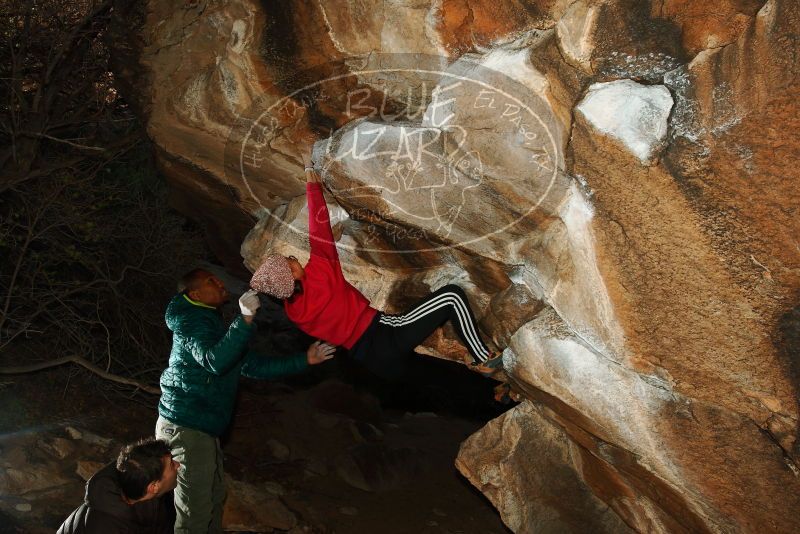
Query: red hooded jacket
[(329, 308)]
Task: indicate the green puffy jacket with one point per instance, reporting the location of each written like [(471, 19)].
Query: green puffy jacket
[(198, 388)]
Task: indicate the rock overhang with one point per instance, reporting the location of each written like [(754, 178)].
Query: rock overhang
[(596, 257)]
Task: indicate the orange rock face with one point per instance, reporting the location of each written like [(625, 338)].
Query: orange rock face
[(636, 249), (708, 24)]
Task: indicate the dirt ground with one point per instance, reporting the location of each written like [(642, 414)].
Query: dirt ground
[(341, 454)]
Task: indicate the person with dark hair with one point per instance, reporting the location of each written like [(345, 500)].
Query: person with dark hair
[(140, 463), (192, 280), (198, 390), (130, 496), (319, 300)]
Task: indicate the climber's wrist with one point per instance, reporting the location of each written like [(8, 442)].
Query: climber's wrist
[(312, 176)]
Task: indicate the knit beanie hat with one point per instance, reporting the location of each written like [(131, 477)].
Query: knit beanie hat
[(274, 277)]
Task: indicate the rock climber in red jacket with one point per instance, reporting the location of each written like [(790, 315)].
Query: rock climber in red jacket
[(326, 306)]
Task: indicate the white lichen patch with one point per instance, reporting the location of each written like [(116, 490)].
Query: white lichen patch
[(194, 98), (229, 86), (576, 31), (685, 116), (238, 36), (600, 328), (725, 113), (516, 65), (544, 353), (634, 114), (651, 67), (689, 120)]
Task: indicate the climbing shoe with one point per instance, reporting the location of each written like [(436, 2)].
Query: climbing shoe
[(505, 395), (490, 367)]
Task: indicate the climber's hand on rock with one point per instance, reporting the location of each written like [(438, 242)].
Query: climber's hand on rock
[(306, 145), (312, 176), (319, 352), (307, 161)]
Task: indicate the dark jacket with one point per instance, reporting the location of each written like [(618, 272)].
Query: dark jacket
[(104, 512), (198, 388)]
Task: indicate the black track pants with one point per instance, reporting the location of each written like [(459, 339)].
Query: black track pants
[(391, 339)]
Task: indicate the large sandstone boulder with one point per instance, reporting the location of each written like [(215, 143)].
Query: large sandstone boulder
[(613, 182)]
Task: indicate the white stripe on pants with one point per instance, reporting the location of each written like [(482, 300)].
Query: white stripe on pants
[(449, 298)]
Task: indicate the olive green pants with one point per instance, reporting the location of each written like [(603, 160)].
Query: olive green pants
[(201, 486)]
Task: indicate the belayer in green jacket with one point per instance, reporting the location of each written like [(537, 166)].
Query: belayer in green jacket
[(198, 390)]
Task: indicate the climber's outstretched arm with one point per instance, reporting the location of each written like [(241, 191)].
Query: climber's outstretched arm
[(320, 236)]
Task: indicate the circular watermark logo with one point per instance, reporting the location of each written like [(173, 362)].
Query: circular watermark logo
[(425, 153)]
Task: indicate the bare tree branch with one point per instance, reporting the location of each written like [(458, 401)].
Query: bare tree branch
[(88, 250), (33, 367), (65, 141)]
